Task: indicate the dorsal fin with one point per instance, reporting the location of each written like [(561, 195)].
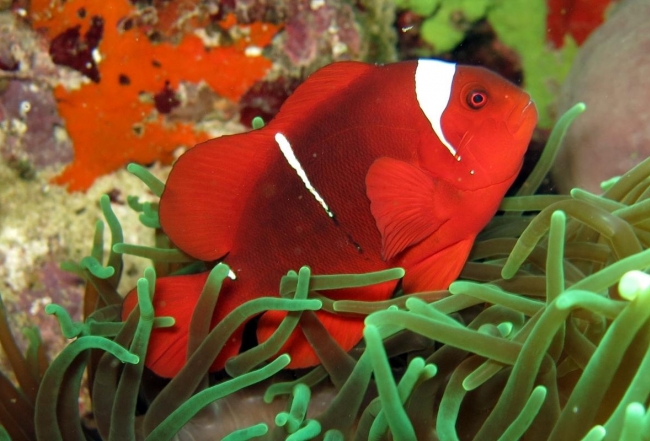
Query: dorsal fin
[(207, 189), (209, 185), (319, 87)]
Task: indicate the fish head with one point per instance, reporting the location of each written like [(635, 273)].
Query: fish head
[(484, 128)]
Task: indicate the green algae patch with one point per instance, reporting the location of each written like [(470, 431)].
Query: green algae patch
[(521, 25)]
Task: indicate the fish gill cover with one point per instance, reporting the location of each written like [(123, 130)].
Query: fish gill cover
[(546, 337)]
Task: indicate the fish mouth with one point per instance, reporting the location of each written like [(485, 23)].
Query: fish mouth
[(522, 117)]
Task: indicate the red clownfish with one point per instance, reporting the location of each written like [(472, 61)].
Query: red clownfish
[(364, 168)]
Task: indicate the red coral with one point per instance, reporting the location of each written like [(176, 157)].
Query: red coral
[(166, 99), (108, 121), (264, 99), (577, 18), (69, 49)]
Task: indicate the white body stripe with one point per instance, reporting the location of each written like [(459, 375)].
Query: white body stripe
[(433, 80), (287, 151)]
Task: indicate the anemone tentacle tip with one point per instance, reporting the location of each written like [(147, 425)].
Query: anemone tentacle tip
[(633, 284)]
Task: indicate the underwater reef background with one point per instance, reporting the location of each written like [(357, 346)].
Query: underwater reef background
[(610, 75), (550, 348)]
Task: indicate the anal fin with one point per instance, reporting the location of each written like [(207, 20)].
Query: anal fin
[(439, 270)]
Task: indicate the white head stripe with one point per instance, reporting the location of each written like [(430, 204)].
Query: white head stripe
[(433, 80), (287, 151)]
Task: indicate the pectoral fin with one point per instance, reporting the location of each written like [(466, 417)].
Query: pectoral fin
[(403, 201)]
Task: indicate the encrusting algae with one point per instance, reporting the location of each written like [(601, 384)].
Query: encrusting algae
[(546, 337)]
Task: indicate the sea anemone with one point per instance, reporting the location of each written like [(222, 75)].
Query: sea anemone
[(546, 336)]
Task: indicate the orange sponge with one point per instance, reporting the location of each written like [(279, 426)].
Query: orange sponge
[(109, 123)]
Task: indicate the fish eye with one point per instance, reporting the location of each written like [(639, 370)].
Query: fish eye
[(476, 99)]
